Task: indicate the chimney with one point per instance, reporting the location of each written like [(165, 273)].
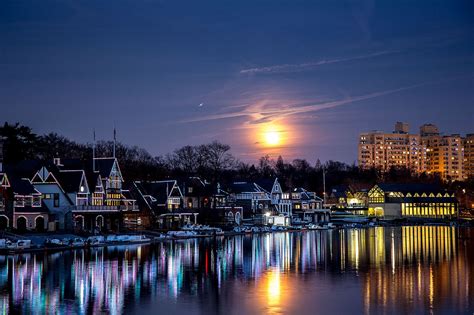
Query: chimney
[(57, 161)]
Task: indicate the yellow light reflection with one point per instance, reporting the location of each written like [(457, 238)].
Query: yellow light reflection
[(274, 288)]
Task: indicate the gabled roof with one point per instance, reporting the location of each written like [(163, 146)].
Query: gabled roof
[(200, 187), (306, 195), (71, 181), (4, 182), (159, 190), (93, 178), (138, 194), (243, 187), (104, 166), (22, 186), (266, 184), (23, 169)]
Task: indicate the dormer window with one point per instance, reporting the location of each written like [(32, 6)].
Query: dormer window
[(36, 201)]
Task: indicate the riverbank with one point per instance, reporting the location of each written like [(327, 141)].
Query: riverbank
[(47, 243)]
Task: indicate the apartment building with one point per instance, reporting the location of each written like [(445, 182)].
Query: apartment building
[(397, 149), (469, 156), (450, 156), (444, 153)]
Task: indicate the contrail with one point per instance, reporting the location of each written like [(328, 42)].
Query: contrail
[(287, 68)]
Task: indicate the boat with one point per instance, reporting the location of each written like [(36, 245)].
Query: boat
[(76, 242), (181, 234), (53, 242), (238, 229), (317, 227), (95, 240), (19, 244), (217, 231), (138, 239)]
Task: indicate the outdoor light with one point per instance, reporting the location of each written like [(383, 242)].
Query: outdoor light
[(267, 214)]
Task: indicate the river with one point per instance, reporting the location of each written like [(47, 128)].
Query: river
[(396, 270)]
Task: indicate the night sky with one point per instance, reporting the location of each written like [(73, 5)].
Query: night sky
[(172, 73)]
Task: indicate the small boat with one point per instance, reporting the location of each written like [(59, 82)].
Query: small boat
[(317, 227), (138, 239), (254, 229), (19, 244), (95, 240), (238, 229), (53, 242), (75, 242), (277, 228), (181, 234)]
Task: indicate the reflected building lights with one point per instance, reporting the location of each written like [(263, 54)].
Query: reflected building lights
[(418, 264)]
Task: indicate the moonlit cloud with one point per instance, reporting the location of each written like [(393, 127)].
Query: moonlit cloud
[(266, 111)]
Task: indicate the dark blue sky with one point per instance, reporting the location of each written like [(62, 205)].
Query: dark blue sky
[(171, 73)]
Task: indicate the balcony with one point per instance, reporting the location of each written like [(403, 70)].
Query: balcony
[(89, 208)]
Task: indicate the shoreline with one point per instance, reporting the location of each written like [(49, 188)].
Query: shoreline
[(54, 249)]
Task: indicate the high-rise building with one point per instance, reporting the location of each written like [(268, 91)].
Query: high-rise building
[(469, 156), (444, 154), (382, 150), (450, 156)]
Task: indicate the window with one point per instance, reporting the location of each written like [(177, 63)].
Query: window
[(56, 199), (36, 201), (19, 201), (28, 201)]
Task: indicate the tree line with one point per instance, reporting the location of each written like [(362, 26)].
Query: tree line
[(213, 162)]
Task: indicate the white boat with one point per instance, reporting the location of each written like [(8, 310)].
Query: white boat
[(317, 227), (278, 228), (19, 244), (181, 234), (238, 229), (95, 240), (216, 231), (160, 237), (138, 239), (76, 242)]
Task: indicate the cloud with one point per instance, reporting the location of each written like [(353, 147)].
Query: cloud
[(265, 111), (287, 68)]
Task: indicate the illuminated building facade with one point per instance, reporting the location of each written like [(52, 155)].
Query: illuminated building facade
[(444, 154), (469, 156), (394, 201), (383, 151)]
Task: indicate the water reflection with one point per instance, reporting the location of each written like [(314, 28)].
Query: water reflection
[(407, 269)]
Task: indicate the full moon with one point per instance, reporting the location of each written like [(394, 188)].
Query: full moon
[(272, 138)]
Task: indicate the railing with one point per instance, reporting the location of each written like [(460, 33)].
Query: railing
[(85, 208)]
